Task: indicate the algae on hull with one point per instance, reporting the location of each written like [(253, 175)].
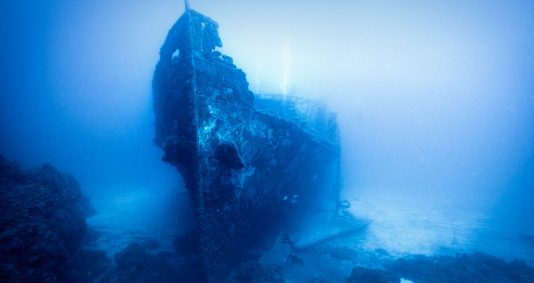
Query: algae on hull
[(250, 173)]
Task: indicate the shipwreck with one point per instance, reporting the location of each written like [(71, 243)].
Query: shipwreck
[(253, 164)]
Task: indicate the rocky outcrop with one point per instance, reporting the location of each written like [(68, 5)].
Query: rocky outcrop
[(251, 170), (42, 222), (474, 267)]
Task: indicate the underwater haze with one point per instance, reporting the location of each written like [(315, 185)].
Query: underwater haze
[(434, 102)]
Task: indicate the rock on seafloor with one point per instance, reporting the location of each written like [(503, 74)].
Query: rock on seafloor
[(252, 164), (42, 222)]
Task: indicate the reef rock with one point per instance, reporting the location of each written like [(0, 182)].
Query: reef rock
[(252, 164), (42, 222)]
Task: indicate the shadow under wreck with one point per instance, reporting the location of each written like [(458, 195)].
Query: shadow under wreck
[(254, 166)]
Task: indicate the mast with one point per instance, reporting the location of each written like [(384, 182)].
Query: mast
[(187, 6)]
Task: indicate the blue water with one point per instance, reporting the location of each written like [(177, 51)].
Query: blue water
[(435, 103)]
